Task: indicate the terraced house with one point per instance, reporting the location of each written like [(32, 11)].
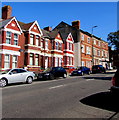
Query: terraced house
[(26, 45)]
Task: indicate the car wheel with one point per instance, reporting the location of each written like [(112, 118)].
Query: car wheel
[(29, 80), (65, 75), (51, 76), (89, 73), (3, 82), (82, 73)]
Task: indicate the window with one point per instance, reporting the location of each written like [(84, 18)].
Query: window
[(14, 61), (83, 49), (98, 43), (15, 39), (7, 61), (37, 40), (31, 59), (60, 61), (56, 61), (70, 46), (31, 39), (82, 62), (94, 42), (82, 37), (8, 37), (98, 52), (57, 46), (60, 46), (46, 44), (70, 60), (88, 40), (36, 59), (88, 50), (41, 43)]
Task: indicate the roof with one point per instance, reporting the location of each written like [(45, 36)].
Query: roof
[(65, 29), (5, 22), (25, 26)]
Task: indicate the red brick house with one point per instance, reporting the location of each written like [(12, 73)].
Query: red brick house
[(11, 45)]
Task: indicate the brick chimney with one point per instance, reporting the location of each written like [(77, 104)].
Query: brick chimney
[(76, 24), (6, 12), (48, 28)]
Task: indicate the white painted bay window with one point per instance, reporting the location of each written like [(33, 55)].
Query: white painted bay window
[(7, 61), (46, 44), (14, 61), (57, 46), (37, 40), (8, 37), (31, 59), (31, 39), (15, 39), (83, 48), (36, 59)]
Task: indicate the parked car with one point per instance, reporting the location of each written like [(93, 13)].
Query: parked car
[(81, 71), (52, 72), (115, 82), (15, 76), (98, 69)]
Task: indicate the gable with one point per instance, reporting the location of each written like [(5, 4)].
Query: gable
[(70, 38), (58, 37), (13, 25), (35, 29)]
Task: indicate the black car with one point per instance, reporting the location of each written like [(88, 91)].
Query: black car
[(52, 72), (115, 82), (81, 71), (98, 69)]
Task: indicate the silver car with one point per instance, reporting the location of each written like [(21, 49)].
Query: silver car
[(15, 76)]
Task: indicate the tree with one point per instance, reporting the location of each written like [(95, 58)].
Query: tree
[(113, 39)]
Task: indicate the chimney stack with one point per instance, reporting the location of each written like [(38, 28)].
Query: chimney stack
[(6, 12), (76, 24), (48, 28)]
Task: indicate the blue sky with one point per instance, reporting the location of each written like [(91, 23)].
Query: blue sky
[(102, 14)]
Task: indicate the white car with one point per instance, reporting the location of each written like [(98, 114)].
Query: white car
[(15, 76)]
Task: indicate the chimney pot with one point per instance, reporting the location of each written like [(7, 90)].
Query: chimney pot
[(48, 28)]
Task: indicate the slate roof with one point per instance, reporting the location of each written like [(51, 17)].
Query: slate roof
[(25, 26), (5, 22), (65, 29)]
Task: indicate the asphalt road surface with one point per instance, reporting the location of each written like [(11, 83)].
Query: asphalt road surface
[(85, 96)]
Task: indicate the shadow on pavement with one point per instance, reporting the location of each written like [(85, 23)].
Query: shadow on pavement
[(103, 100)]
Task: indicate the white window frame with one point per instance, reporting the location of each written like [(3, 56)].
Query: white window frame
[(82, 48), (37, 40), (94, 42), (14, 61), (88, 39), (82, 37), (36, 59), (7, 61), (31, 39), (88, 50), (46, 44), (57, 45), (16, 39), (31, 59), (8, 37)]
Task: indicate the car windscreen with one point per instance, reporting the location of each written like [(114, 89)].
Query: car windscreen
[(47, 70)]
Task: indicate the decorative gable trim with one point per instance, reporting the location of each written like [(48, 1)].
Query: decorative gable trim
[(70, 36), (37, 26), (13, 25)]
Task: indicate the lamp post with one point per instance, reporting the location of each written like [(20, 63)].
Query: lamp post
[(92, 45)]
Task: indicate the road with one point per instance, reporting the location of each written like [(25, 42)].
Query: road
[(74, 97)]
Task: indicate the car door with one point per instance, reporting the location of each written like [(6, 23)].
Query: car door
[(23, 75), (14, 76)]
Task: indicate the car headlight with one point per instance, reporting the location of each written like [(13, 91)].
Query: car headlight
[(79, 71), (47, 74)]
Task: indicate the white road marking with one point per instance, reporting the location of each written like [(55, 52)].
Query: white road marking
[(89, 79), (57, 86)]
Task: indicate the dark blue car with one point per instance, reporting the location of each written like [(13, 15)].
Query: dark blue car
[(81, 71)]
